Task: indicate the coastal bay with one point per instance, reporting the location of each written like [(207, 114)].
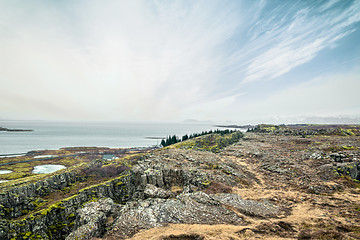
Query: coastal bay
[(55, 135)]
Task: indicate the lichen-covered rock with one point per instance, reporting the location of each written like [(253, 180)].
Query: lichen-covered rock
[(17, 201), (190, 208), (154, 192), (59, 219), (338, 157), (92, 218), (352, 170), (248, 207)]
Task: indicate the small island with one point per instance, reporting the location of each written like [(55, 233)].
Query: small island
[(15, 130)]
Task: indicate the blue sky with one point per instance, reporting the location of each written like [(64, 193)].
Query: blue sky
[(224, 61)]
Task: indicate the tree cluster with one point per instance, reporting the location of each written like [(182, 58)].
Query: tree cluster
[(174, 139), (170, 140)]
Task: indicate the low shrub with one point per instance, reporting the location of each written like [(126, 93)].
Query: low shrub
[(215, 187), (105, 171)]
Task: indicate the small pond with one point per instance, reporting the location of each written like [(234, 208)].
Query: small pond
[(5, 171), (50, 168), (46, 156)]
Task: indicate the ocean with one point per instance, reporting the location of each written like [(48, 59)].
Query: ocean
[(55, 135)]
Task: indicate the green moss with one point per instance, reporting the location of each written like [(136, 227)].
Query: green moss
[(215, 167), (38, 203), (206, 182), (28, 179), (348, 147), (27, 235), (24, 211), (270, 128), (211, 142), (349, 132)]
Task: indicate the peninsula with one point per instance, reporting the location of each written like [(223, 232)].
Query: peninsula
[(14, 130)]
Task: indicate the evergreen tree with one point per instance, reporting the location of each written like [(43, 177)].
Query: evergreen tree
[(185, 137)]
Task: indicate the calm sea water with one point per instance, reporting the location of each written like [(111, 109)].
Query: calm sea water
[(55, 135)]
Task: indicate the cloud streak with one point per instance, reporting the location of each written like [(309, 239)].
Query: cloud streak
[(299, 38)]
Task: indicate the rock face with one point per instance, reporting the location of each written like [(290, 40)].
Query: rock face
[(154, 202), (248, 207), (152, 191), (192, 208), (188, 208), (92, 219), (17, 201), (352, 170), (58, 220)]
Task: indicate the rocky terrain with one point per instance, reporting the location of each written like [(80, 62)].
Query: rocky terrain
[(274, 182)]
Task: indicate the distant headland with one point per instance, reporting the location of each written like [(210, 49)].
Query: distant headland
[(235, 126), (15, 130)]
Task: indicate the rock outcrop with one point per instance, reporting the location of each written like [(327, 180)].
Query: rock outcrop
[(157, 212), (92, 219), (352, 170), (248, 207), (17, 201), (58, 220), (190, 208)]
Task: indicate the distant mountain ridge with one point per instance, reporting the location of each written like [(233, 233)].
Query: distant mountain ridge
[(196, 121)]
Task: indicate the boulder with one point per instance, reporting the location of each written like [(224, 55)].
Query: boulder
[(248, 207), (352, 170), (152, 191), (337, 157)]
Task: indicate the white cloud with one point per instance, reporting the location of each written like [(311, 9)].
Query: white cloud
[(152, 60), (127, 56), (324, 96)]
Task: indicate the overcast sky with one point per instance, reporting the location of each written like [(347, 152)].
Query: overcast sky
[(239, 61)]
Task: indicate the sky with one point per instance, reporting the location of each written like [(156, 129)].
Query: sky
[(265, 61)]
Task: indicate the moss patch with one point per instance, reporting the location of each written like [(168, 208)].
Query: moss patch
[(212, 142)]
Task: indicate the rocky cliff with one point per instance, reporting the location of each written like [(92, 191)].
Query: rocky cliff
[(260, 186)]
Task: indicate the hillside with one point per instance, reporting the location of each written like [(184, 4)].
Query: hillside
[(275, 182)]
